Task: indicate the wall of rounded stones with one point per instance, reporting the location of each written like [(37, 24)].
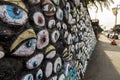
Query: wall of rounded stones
[(44, 39)]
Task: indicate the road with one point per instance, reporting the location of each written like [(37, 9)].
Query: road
[(105, 61)]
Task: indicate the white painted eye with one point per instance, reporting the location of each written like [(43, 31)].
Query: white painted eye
[(66, 15), (43, 39), (51, 54), (55, 36), (51, 23), (26, 49), (61, 77), (56, 2), (35, 61), (48, 69), (39, 19), (68, 7), (57, 65), (77, 2), (59, 14), (12, 14), (49, 9), (77, 46), (66, 34), (78, 17), (53, 78), (39, 75), (34, 1), (2, 54), (68, 66), (69, 39), (71, 20), (59, 25), (74, 28), (72, 48), (64, 26), (78, 26), (28, 77)]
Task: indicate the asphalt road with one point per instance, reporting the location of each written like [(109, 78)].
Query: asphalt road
[(105, 62)]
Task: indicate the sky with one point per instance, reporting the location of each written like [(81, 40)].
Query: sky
[(106, 17)]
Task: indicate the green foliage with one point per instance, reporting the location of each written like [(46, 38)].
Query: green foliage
[(101, 3), (116, 29)]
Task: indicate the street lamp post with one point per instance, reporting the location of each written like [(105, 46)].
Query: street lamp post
[(115, 12)]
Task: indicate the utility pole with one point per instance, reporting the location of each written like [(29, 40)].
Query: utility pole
[(115, 12)]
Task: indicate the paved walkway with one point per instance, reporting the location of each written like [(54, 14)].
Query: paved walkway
[(105, 62)]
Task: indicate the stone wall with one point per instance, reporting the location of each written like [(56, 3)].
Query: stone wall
[(44, 39)]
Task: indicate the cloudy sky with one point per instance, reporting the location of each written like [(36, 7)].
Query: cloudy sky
[(106, 17)]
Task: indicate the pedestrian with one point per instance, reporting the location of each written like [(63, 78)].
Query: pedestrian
[(113, 42)]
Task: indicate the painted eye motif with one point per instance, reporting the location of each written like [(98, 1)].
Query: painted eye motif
[(28, 77), (66, 34), (68, 67), (34, 1), (53, 78), (49, 9), (69, 40), (26, 49), (77, 46), (12, 14), (67, 7), (50, 52), (77, 2), (39, 75), (43, 39), (59, 25), (67, 55), (78, 17), (64, 26), (39, 19), (57, 2), (74, 29), (61, 77), (59, 14), (57, 65), (48, 69), (28, 40), (35, 61), (71, 20), (2, 54), (71, 48), (55, 36), (51, 24), (78, 26)]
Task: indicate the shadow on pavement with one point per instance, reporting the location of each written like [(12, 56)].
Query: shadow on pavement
[(108, 47), (100, 66)]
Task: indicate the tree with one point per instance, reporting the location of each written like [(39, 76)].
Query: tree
[(116, 29), (101, 3)]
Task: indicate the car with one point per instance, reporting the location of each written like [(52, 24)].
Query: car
[(115, 37)]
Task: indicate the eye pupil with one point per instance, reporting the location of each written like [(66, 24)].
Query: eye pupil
[(34, 64), (40, 20), (58, 67), (29, 78), (39, 76), (61, 15), (44, 39), (67, 8), (16, 10), (29, 44)]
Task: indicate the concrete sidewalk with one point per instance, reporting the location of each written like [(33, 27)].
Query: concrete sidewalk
[(105, 62)]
